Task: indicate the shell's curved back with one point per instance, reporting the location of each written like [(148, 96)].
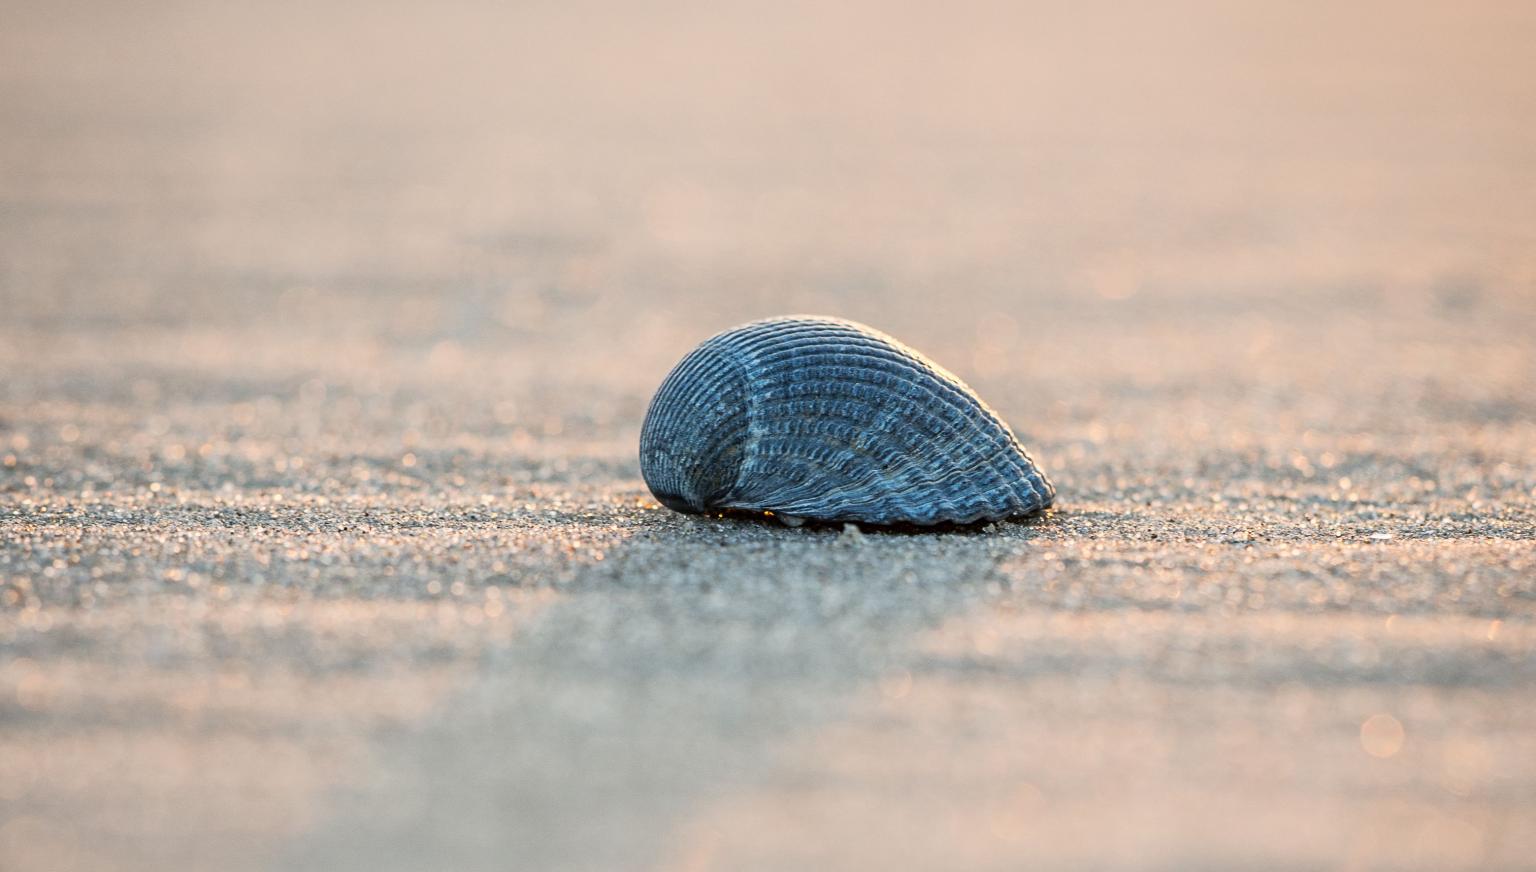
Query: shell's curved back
[(828, 419)]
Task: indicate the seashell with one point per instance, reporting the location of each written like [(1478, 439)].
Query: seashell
[(812, 418)]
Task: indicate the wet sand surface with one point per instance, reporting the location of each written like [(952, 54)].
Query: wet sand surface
[(326, 333)]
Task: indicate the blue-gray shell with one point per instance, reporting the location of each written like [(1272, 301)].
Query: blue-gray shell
[(829, 420)]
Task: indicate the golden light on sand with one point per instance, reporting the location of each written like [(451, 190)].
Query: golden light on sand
[(1466, 764), (1012, 819), (1382, 735)]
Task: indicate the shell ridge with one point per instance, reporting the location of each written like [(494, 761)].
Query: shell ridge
[(864, 476), (668, 432), (749, 415), (834, 419), (908, 367), (995, 497), (828, 413)]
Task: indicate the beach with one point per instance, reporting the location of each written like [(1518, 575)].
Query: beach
[(326, 335)]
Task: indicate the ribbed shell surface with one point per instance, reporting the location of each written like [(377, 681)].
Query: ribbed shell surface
[(830, 420)]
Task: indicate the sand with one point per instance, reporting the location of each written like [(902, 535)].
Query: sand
[(326, 333)]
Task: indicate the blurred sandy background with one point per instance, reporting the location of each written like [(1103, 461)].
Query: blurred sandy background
[(326, 330)]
